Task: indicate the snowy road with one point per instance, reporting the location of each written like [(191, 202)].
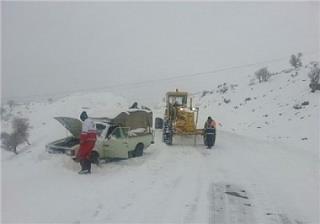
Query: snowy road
[(240, 180)]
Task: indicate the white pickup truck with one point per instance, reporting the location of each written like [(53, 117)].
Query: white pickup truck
[(123, 142), (113, 140)]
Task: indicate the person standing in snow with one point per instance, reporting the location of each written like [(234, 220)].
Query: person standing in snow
[(209, 132), (134, 106), (88, 139)]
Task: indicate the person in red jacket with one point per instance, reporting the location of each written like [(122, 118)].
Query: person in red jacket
[(88, 139)]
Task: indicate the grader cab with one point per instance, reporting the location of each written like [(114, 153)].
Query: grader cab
[(180, 117)]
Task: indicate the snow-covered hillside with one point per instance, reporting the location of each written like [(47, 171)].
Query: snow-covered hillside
[(263, 168), (41, 114), (282, 109)]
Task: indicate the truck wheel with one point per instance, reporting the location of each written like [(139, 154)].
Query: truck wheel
[(167, 133), (138, 150), (95, 157), (169, 141), (131, 154)]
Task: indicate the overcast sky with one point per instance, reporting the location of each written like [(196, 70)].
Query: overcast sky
[(51, 48)]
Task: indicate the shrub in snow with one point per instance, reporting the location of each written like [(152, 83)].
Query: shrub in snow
[(297, 107), (305, 103), (263, 74), (3, 111), (204, 93), (222, 88), (11, 104), (19, 135), (5, 114), (50, 100), (295, 60), (314, 76), (6, 141), (226, 100)]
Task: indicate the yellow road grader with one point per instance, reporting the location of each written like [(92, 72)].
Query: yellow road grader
[(180, 117)]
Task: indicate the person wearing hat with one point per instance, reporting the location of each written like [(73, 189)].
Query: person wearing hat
[(209, 132), (88, 139)]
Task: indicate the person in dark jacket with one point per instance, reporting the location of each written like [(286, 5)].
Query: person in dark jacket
[(134, 106), (88, 139), (209, 132)]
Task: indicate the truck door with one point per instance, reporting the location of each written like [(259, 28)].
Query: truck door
[(116, 144)]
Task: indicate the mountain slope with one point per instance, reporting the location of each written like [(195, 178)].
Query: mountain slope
[(282, 109)]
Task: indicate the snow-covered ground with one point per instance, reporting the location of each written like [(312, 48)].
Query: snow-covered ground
[(264, 167), (168, 184), (266, 110)]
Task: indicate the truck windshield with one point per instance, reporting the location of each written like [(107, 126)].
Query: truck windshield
[(178, 100)]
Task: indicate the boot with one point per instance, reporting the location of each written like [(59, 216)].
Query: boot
[(88, 165), (84, 168), (83, 172)]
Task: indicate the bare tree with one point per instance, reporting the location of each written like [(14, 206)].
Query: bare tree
[(314, 76), (20, 134), (11, 104), (295, 60), (263, 74), (6, 141), (3, 111)]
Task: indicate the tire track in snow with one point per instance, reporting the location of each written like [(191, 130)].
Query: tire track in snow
[(229, 204), (189, 184), (174, 195)]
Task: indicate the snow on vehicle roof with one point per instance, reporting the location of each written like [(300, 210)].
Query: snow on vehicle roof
[(138, 109)]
